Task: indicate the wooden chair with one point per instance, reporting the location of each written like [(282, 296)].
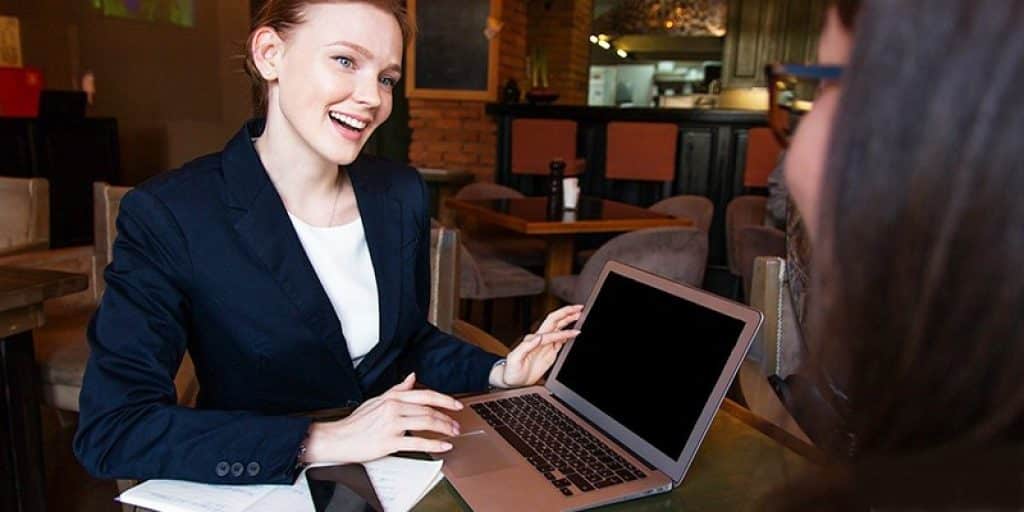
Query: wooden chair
[(25, 216), (444, 292), (62, 348), (777, 350), (485, 276), (61, 345)]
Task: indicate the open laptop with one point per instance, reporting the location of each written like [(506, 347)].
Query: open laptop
[(624, 410)]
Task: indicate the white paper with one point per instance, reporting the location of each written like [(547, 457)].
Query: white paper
[(180, 496), (399, 483)]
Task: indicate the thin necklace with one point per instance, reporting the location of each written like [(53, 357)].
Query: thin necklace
[(335, 206)]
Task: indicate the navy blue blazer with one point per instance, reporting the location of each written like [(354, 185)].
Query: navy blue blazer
[(207, 260)]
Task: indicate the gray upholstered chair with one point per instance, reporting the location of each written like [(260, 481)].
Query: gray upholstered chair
[(501, 243), (25, 216), (699, 209), (747, 237), (676, 253), (485, 277), (487, 190)]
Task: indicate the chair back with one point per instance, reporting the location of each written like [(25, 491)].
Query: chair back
[(779, 347), (676, 253), (699, 209), (485, 190), (755, 241), (641, 151), (25, 216), (444, 277), (106, 203), (762, 156), (536, 142), (741, 211)]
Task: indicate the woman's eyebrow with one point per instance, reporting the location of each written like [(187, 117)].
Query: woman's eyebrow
[(365, 53)]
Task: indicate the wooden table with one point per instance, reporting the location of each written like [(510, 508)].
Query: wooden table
[(447, 182), (742, 458), (22, 292), (529, 216)]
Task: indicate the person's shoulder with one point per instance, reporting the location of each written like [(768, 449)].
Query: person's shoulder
[(186, 183)]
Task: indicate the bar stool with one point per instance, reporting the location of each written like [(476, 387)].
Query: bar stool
[(763, 151), (639, 154), (535, 143)]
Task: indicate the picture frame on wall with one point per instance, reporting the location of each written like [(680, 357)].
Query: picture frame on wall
[(455, 53)]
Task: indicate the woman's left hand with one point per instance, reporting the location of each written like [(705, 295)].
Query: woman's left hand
[(528, 362)]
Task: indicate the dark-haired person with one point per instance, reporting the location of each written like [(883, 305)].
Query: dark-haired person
[(814, 393), (295, 272), (908, 185)]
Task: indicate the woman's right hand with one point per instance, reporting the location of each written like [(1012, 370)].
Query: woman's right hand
[(378, 427)]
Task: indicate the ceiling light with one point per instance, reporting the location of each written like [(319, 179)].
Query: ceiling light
[(621, 53), (593, 39), (604, 44)]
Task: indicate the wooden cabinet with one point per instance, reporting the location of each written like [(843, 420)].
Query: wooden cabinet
[(765, 31), (693, 174)]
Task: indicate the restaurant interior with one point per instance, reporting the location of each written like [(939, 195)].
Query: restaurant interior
[(553, 137)]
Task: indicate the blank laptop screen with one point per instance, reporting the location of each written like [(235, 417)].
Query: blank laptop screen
[(649, 360)]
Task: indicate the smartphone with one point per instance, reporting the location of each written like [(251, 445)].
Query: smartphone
[(343, 488)]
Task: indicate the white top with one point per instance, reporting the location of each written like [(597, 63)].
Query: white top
[(341, 259)]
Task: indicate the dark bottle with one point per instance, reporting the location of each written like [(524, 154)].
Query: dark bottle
[(511, 92), (555, 188)]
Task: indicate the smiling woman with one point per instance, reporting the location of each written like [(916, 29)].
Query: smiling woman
[(294, 269)]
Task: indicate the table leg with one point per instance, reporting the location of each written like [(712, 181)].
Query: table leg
[(22, 479), (445, 214), (559, 263)]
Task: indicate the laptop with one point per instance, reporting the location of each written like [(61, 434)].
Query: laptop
[(625, 407)]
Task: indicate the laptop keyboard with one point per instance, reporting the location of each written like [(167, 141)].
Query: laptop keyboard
[(571, 458)]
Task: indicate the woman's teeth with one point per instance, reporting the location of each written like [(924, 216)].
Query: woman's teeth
[(348, 121)]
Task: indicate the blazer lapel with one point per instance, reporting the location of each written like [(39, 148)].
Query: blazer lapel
[(381, 215), (264, 227)]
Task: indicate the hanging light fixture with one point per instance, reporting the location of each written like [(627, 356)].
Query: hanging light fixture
[(675, 17)]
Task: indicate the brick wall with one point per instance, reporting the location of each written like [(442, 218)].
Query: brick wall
[(452, 134), (563, 29), (458, 134)]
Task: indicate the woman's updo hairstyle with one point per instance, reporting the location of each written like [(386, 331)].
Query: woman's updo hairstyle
[(283, 15)]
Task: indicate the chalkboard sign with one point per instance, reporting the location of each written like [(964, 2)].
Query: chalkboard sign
[(452, 56)]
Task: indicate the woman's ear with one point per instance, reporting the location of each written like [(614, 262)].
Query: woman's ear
[(267, 48)]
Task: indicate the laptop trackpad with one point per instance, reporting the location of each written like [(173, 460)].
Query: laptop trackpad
[(476, 454)]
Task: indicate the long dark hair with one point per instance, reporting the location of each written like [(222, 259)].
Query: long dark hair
[(917, 287)]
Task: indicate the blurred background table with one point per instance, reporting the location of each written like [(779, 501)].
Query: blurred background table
[(22, 292), (530, 216)]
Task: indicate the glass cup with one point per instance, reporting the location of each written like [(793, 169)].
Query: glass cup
[(570, 192)]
